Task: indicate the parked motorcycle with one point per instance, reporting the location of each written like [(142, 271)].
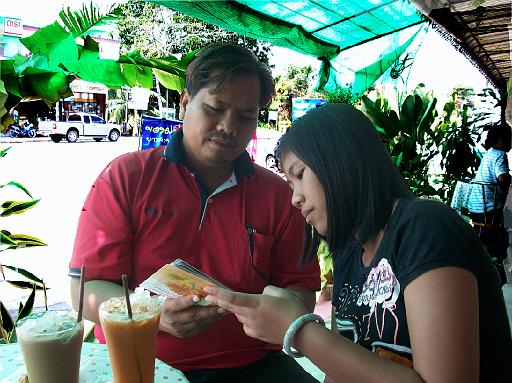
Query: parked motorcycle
[(25, 130)]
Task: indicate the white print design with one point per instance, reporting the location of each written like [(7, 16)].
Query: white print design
[(381, 287)]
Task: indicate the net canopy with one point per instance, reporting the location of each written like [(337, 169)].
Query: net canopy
[(319, 28)]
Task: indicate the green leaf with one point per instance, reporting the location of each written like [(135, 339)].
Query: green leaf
[(43, 39), (3, 152), (6, 323), (25, 273), (26, 285), (17, 185), (89, 20), (170, 81), (13, 207), (25, 240), (6, 240), (29, 304), (137, 75)]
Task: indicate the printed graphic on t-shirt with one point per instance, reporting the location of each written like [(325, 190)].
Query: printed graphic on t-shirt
[(374, 303)]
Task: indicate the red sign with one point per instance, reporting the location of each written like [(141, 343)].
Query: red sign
[(13, 26)]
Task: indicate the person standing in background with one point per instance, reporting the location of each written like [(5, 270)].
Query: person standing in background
[(489, 194)]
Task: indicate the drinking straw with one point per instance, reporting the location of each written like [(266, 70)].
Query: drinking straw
[(81, 296), (127, 295)]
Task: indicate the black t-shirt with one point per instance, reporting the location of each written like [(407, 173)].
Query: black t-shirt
[(421, 235)]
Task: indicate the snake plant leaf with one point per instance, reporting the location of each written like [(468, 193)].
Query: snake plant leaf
[(6, 240), (24, 240), (26, 309), (3, 152), (26, 285), (6, 323), (17, 207), (14, 183), (26, 274)]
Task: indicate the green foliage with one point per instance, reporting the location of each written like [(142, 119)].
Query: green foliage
[(9, 241), (417, 138), (459, 157), (89, 19), (57, 58), (295, 83), (157, 31), (409, 135), (340, 94), (325, 262)]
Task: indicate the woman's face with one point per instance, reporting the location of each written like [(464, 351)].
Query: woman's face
[(308, 193)]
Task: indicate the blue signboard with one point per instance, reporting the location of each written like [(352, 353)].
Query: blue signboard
[(157, 131), (300, 106)]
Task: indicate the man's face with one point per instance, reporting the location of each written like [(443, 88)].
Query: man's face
[(218, 126)]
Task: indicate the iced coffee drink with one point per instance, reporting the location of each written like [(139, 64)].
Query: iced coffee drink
[(51, 343), (131, 343)]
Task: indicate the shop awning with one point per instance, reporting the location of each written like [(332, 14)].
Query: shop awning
[(480, 29)]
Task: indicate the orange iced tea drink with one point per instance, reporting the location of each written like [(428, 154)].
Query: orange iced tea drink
[(131, 343)]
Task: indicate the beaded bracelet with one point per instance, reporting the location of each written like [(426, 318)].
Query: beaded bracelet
[(296, 325)]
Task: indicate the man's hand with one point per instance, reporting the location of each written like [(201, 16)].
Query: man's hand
[(183, 318)]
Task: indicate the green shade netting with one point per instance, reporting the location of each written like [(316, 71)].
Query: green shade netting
[(319, 28), (360, 67)]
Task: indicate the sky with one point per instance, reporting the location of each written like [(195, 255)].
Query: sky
[(437, 63)]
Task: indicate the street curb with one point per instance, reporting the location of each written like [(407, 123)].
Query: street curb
[(12, 140)]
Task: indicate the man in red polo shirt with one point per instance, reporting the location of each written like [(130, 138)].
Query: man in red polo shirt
[(200, 199)]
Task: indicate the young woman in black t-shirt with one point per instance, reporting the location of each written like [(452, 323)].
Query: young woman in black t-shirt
[(412, 281)]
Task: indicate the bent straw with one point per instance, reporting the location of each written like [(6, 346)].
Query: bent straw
[(127, 295), (81, 296)]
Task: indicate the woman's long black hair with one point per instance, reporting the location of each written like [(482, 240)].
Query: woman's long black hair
[(341, 146)]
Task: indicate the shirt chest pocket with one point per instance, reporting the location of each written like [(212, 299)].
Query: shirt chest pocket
[(259, 256)]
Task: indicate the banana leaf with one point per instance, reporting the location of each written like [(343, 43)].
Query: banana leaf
[(170, 81), (137, 75), (17, 207), (89, 20), (43, 40)]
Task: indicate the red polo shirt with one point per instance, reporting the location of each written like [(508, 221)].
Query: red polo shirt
[(147, 209)]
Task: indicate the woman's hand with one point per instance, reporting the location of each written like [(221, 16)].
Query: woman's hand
[(266, 316)]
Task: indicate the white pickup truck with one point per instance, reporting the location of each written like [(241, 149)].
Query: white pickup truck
[(79, 125)]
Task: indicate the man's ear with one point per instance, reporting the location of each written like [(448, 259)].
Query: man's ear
[(184, 100)]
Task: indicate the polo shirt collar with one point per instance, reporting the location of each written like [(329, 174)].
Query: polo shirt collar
[(174, 152)]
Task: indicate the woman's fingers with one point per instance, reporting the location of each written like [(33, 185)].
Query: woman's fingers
[(232, 301)]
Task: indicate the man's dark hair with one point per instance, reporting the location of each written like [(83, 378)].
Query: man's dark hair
[(218, 63), (500, 130), (342, 147)]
